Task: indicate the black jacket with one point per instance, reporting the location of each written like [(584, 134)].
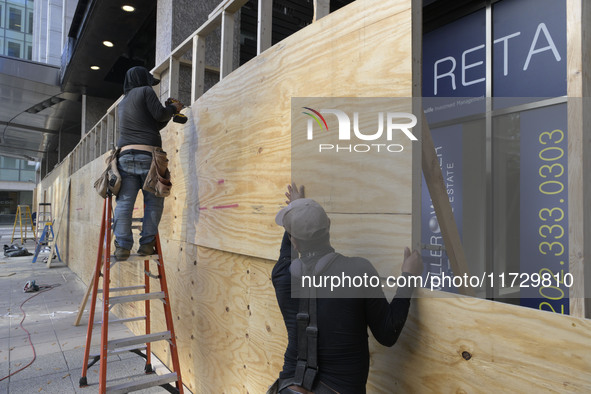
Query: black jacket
[(343, 350), (141, 115)]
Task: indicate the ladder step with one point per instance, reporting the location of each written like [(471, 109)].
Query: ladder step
[(127, 349), (149, 381), (136, 297), (137, 257), (121, 350), (126, 320), (123, 342), (128, 288)]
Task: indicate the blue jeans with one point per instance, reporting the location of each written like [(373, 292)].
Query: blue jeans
[(134, 168)]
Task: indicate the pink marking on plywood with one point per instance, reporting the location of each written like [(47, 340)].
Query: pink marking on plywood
[(226, 206)]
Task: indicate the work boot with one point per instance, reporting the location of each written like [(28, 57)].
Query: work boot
[(121, 254), (147, 249)]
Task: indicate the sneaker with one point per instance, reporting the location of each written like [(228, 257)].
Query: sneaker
[(121, 254), (147, 249)]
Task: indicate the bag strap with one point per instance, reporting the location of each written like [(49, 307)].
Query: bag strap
[(307, 329)]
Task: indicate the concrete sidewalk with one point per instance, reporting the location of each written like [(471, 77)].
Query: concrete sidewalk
[(58, 344)]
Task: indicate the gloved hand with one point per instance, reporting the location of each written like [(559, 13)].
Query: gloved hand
[(176, 103), (177, 118)]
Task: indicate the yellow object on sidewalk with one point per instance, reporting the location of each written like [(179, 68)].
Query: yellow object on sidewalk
[(23, 210)]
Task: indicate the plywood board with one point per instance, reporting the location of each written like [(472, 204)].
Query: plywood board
[(372, 174), (266, 331), (234, 153), (509, 349), (229, 329)]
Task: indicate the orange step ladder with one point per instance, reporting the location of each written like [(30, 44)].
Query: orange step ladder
[(105, 261)]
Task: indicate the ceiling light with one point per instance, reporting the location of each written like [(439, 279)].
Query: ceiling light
[(128, 8), (95, 68), (108, 44)]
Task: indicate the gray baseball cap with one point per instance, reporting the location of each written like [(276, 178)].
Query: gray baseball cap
[(304, 219)]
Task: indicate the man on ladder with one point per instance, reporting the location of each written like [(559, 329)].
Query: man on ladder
[(141, 163), (141, 117)]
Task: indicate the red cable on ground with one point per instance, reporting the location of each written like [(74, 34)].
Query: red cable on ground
[(47, 288)]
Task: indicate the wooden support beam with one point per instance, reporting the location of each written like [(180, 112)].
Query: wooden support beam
[(227, 5), (95, 142), (101, 137), (158, 74), (321, 9), (109, 134), (578, 32), (115, 128), (264, 25), (84, 155), (227, 49), (173, 77), (198, 68), (440, 199), (84, 301)]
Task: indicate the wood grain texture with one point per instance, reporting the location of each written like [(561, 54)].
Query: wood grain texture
[(363, 176), (511, 349), (229, 329), (234, 154)]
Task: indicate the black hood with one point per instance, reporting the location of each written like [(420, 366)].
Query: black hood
[(137, 77)]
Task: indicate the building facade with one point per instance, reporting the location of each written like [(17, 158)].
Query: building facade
[(16, 28)]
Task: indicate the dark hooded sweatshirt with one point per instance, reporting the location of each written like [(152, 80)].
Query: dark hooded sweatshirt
[(141, 115), (343, 348)]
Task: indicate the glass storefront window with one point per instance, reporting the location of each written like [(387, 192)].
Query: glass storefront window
[(506, 197), (507, 140)]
